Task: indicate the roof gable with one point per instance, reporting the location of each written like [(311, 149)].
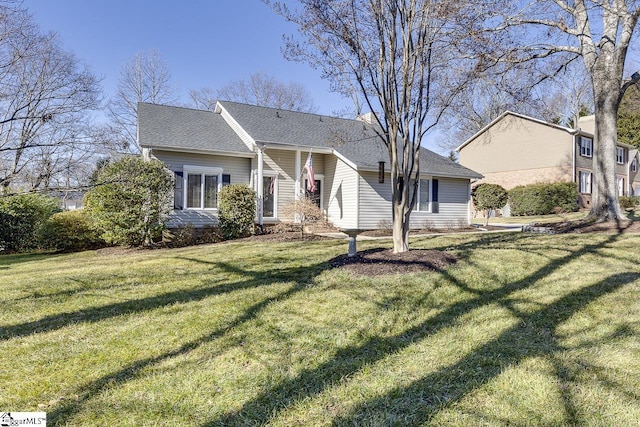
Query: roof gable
[(504, 115), (163, 126), (284, 127)]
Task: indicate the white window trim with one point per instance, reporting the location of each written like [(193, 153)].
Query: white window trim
[(430, 204), (318, 177), (634, 165), (202, 170), (271, 174), (590, 148), (620, 155)]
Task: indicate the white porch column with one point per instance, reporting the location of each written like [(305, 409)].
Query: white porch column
[(260, 185), (298, 174), (298, 171)]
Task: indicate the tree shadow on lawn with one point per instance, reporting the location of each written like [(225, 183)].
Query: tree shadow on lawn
[(301, 276), (493, 357), (532, 337), (96, 314), (8, 260)]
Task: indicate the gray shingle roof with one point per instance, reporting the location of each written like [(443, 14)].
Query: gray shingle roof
[(353, 139), (366, 156), (162, 126), (272, 125)]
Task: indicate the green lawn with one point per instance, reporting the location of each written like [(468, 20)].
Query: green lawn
[(523, 330)]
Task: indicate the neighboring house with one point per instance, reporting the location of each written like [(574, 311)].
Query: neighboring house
[(267, 149), (69, 199), (517, 150)]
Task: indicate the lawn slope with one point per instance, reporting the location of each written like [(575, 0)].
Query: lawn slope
[(522, 330)]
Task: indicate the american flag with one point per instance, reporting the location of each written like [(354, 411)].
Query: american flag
[(311, 180)]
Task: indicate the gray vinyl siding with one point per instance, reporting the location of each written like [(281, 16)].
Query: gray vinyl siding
[(453, 200), (375, 200), (375, 203), (238, 168), (284, 164), (341, 195)]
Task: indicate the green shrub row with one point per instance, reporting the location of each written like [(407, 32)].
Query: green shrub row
[(21, 217), (629, 202), (127, 206), (543, 199), (70, 231), (35, 221)]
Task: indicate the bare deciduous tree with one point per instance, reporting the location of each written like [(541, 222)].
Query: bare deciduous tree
[(404, 60), (45, 94), (144, 78), (600, 33), (203, 99), (560, 99), (260, 89), (484, 99)]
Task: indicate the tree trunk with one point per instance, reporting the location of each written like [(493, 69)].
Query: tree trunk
[(400, 229), (605, 205)]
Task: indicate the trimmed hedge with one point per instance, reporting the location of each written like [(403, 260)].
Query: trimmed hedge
[(236, 204), (130, 201), (69, 231), (543, 199), (487, 197), (20, 218)]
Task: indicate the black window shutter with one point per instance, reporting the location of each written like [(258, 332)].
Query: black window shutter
[(435, 206), (178, 195), (226, 179)]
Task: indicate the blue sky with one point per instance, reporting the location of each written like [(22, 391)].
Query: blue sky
[(205, 43)]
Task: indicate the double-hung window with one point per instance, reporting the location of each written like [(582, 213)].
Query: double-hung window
[(620, 155), (634, 165), (586, 146), (202, 186), (427, 196), (424, 192)]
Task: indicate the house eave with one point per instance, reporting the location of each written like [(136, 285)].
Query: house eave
[(570, 131), (293, 147), (248, 155), (427, 173)]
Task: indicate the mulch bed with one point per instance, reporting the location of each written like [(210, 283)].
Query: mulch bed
[(377, 262)]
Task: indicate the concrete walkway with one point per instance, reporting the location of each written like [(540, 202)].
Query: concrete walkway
[(505, 228)]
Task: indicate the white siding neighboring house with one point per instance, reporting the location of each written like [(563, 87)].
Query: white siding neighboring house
[(266, 149)]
